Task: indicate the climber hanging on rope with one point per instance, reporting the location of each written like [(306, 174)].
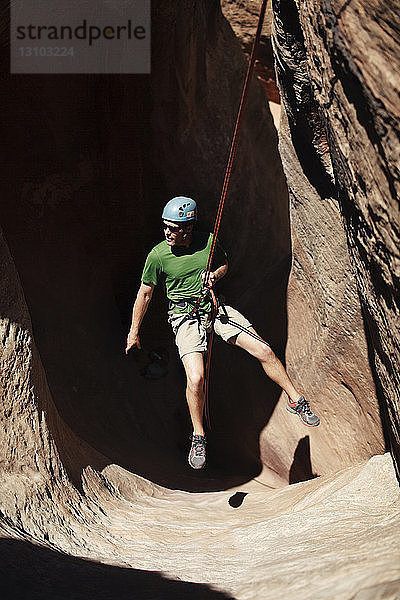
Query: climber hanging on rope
[(180, 261)]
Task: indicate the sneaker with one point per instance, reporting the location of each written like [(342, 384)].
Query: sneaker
[(197, 454), (302, 408)]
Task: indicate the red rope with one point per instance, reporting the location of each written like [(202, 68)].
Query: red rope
[(228, 171), (235, 138), (208, 364)]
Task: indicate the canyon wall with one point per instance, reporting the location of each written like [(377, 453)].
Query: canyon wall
[(80, 213), (88, 162), (93, 162), (338, 71), (327, 352)]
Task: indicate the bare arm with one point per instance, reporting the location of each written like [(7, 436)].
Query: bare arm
[(220, 272), (139, 310)]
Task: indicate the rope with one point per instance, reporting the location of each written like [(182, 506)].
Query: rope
[(208, 363), (228, 171), (235, 138), (226, 319)]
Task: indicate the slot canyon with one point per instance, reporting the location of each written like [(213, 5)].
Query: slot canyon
[(97, 498)]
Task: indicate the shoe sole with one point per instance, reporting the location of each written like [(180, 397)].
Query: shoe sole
[(294, 412), (197, 468), (192, 455)]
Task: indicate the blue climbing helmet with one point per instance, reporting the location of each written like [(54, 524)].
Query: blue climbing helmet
[(181, 210)]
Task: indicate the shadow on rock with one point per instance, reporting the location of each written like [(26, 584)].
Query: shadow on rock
[(29, 571), (301, 469)]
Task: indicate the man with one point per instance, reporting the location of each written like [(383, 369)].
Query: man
[(180, 260)]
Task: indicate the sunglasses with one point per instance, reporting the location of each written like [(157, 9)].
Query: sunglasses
[(172, 228)]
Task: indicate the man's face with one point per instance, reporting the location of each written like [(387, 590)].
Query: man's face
[(174, 233)]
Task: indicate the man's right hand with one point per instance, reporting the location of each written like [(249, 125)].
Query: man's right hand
[(211, 279), (133, 341)]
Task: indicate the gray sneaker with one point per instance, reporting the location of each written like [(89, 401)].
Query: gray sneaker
[(197, 454), (303, 410)]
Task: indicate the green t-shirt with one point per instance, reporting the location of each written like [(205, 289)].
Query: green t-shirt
[(181, 268)]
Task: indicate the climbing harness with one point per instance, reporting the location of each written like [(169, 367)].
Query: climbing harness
[(228, 171)]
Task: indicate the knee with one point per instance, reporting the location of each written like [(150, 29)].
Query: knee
[(195, 381), (265, 353)]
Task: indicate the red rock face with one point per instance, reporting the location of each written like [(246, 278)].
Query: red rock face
[(243, 18), (339, 77), (89, 163), (327, 351), (93, 161)]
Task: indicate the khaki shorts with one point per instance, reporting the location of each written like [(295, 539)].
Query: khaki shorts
[(191, 333)]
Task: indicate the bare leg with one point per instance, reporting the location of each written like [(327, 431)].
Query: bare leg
[(269, 362), (194, 367)]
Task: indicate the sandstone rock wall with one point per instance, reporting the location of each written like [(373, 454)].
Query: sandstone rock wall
[(327, 352), (338, 67), (243, 18), (93, 162), (89, 163), (40, 457)]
